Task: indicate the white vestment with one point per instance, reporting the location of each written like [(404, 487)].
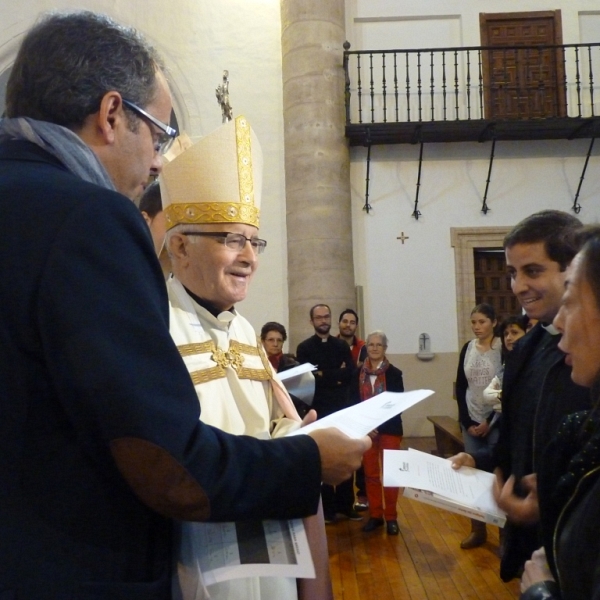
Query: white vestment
[(234, 382)]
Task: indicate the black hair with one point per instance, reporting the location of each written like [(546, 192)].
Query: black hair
[(348, 311), (151, 201), (553, 228), (273, 326), (69, 61), (485, 309)]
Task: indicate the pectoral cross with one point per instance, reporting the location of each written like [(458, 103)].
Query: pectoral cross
[(402, 237)]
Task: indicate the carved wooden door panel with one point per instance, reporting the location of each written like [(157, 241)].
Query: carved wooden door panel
[(492, 283), (523, 83)]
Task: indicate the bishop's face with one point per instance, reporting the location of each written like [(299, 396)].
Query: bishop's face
[(218, 273)]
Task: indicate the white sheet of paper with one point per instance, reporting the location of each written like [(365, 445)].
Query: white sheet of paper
[(278, 549), (412, 468), (295, 371), (358, 420)]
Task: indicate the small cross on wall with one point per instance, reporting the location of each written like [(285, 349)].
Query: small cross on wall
[(402, 237)]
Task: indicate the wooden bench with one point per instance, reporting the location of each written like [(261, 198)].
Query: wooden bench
[(448, 436)]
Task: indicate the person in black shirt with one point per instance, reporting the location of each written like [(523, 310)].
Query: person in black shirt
[(333, 359)]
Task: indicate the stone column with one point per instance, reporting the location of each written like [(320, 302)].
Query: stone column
[(317, 164)]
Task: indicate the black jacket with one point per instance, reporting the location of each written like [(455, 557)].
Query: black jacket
[(333, 360), (568, 491), (87, 368), (528, 424)]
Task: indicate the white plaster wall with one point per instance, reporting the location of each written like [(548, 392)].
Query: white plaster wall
[(410, 288), (198, 40), (368, 12)]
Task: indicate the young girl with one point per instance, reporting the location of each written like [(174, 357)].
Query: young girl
[(480, 360), (512, 329)]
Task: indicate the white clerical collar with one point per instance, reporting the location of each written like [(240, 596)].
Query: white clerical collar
[(551, 329), (226, 316)]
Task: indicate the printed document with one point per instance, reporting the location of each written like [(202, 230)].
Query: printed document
[(467, 490), (358, 420), (252, 549)]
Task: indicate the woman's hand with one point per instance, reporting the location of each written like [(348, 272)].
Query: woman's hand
[(373, 434), (462, 459), (472, 430), (536, 570), (482, 429)]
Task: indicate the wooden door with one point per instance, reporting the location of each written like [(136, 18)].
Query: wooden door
[(523, 83), (492, 282)]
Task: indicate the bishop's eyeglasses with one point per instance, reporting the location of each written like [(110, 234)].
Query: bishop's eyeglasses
[(234, 241)]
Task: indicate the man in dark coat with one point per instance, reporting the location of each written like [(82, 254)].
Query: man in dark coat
[(335, 365), (100, 440), (537, 390)]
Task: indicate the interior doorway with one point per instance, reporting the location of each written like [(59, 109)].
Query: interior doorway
[(465, 240), (523, 83), (492, 283)]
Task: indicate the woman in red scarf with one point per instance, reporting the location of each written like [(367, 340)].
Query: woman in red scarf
[(375, 376), (273, 335)]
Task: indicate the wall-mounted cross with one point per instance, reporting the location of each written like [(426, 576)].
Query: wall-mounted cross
[(402, 237)]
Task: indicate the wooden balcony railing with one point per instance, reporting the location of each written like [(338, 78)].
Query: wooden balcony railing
[(472, 93)]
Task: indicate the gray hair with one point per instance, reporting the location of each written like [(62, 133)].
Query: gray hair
[(180, 228), (70, 60), (380, 334)]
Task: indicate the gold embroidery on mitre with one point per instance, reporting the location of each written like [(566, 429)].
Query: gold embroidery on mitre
[(211, 212), (244, 156)]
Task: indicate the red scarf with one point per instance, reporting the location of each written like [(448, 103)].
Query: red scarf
[(364, 380), (275, 359)]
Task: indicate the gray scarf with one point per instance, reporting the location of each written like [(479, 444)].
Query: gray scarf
[(62, 143)]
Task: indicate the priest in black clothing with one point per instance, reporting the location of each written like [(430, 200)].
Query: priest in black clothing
[(333, 359)]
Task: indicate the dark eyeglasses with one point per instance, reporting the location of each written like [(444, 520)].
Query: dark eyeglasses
[(165, 139), (234, 241)]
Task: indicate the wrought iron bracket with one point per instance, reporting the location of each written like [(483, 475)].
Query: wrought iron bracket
[(367, 206), (417, 213), (576, 206), (484, 207)]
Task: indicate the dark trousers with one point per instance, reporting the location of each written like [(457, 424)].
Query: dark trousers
[(339, 498), (359, 481)]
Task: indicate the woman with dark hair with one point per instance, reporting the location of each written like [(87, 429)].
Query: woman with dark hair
[(568, 566), (377, 375), (273, 335), (512, 329), (480, 360)]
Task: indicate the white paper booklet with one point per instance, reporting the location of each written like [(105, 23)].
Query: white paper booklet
[(432, 480), (300, 382), (296, 371), (270, 548), (358, 420)]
